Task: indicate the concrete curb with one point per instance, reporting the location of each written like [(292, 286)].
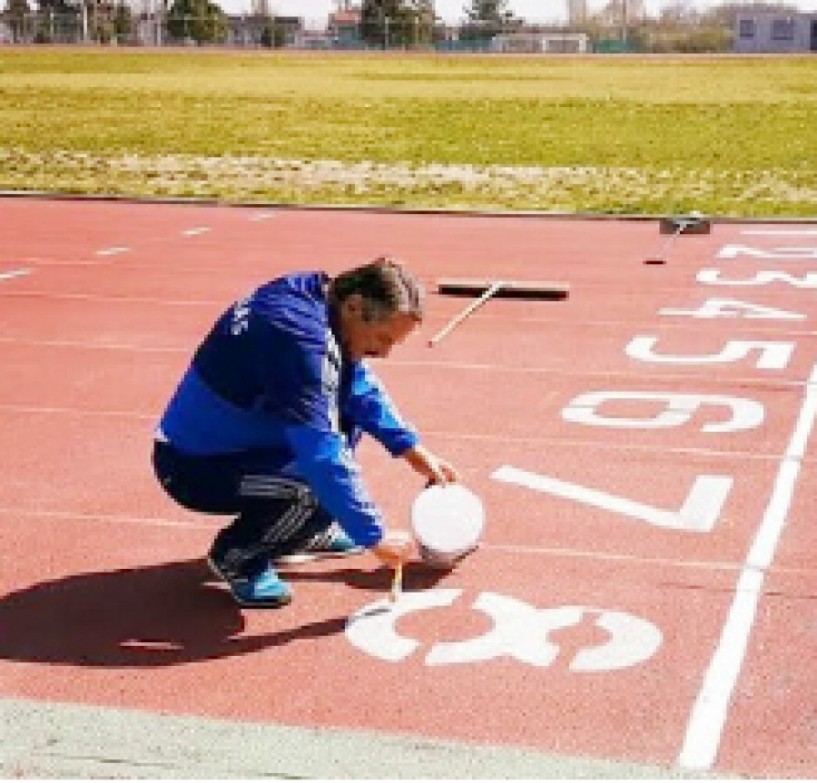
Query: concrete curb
[(380, 209), (48, 740)]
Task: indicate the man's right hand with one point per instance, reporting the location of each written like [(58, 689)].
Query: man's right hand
[(396, 546)]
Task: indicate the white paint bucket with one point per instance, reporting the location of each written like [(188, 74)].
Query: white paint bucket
[(448, 522)]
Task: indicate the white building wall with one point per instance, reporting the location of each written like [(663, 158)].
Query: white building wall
[(775, 32)]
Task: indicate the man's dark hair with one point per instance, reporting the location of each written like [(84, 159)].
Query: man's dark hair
[(386, 286)]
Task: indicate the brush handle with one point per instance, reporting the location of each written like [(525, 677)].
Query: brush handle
[(457, 320), (397, 583)]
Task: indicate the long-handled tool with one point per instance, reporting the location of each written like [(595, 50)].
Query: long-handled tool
[(396, 583), (456, 321), (487, 289), (694, 223)]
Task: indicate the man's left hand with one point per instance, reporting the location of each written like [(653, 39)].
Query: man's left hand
[(435, 469)]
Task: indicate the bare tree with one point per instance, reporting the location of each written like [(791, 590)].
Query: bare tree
[(16, 13)]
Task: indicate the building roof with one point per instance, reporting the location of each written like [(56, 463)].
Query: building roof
[(346, 16)]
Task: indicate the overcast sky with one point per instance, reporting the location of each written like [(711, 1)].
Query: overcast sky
[(451, 10)]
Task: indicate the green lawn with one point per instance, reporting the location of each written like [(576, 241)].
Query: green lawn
[(725, 136)]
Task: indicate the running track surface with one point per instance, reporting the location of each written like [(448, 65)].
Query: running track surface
[(646, 587)]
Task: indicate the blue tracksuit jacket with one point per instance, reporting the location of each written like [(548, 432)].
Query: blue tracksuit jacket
[(271, 375)]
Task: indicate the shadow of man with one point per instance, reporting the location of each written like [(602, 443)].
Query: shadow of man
[(159, 615)]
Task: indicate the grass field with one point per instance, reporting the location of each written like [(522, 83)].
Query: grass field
[(610, 134)]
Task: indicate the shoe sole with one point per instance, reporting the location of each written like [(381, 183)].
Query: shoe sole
[(309, 557), (276, 603), (215, 570)]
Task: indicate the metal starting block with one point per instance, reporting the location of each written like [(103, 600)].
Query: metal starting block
[(685, 224)]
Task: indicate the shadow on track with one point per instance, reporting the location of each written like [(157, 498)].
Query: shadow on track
[(158, 615)]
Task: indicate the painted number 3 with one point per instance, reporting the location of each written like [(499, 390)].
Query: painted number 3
[(520, 631)]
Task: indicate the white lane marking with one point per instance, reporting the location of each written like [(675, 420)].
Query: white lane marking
[(515, 549), (779, 232), (62, 411), (742, 380), (113, 251), (92, 346), (708, 716), (612, 557), (108, 518), (113, 298), (261, 216), (11, 274), (194, 232), (459, 436)]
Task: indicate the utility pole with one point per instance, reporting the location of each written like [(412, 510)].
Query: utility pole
[(85, 35), (624, 22), (160, 19)]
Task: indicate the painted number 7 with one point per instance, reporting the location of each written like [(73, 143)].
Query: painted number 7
[(698, 514)]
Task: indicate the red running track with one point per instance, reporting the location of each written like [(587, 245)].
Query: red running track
[(646, 587)]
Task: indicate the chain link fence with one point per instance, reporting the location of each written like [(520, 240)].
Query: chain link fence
[(118, 25)]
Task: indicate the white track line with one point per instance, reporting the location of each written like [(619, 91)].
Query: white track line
[(116, 298), (708, 716), (746, 381), (92, 346), (194, 232), (203, 524), (484, 319), (112, 251), (441, 434), (107, 518), (63, 411), (780, 232), (11, 274)]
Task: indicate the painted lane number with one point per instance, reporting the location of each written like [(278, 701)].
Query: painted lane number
[(520, 631)]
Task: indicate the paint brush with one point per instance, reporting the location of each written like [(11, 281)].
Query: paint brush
[(396, 583)]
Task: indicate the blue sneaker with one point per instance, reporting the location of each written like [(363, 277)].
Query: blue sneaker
[(332, 542), (263, 591)]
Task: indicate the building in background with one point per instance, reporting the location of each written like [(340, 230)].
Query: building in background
[(636, 10), (576, 12), (345, 26), (540, 43), (769, 31)]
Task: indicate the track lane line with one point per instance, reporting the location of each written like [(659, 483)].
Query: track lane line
[(510, 549), (485, 319), (709, 712), (445, 364), (112, 251), (687, 451), (457, 436), (35, 294), (261, 216), (78, 516), (12, 273)]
